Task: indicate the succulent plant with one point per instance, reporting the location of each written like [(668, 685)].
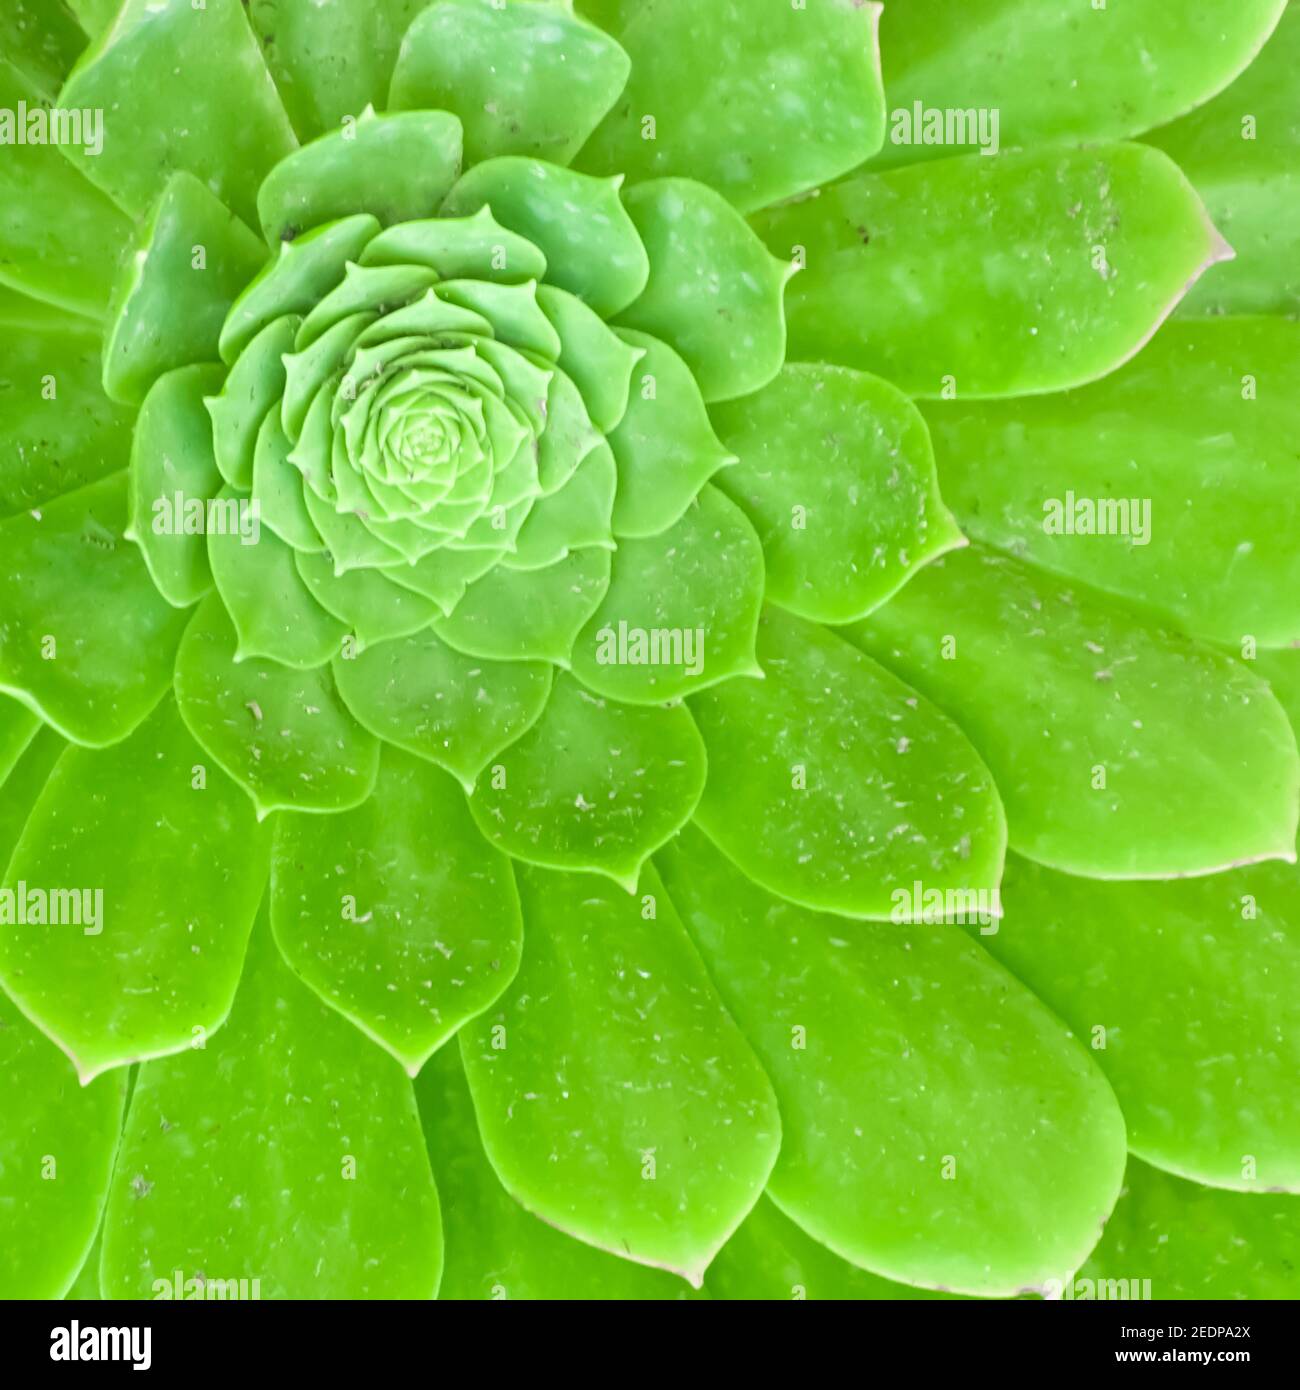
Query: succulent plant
[(515, 781)]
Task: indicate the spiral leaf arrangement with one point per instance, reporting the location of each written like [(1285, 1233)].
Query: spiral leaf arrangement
[(498, 722)]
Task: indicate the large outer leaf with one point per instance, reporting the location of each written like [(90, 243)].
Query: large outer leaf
[(60, 237), (85, 638), (1196, 1243), (287, 1150), (615, 1096), (1173, 981), (759, 99), (993, 277), (495, 1249), (834, 785), (837, 474), (331, 61), (182, 64), (940, 1126), (398, 912), (1194, 440), (59, 430), (57, 1138), (165, 853), (40, 39), (1122, 749), (1242, 151), (1064, 69)]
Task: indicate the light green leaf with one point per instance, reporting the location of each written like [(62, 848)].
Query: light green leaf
[(993, 277), (665, 446), (529, 615), (495, 1249), (593, 785), (578, 223), (18, 727), (366, 602), (305, 270), (253, 386), (681, 612), (331, 61), (60, 237), (525, 78), (1122, 749), (457, 711), (1172, 483), (837, 474), (40, 40), (834, 785), (573, 518), (155, 880), (771, 1259), (1242, 151), (50, 1216), (288, 1150), (60, 432), (173, 475), (1166, 981), (87, 641), (406, 943), (1057, 71), (592, 355), (190, 261), (460, 248), (283, 735), (760, 99), (612, 989), (714, 292), (268, 601), (27, 758), (397, 167), (1006, 1153), (1195, 1243), (178, 60)]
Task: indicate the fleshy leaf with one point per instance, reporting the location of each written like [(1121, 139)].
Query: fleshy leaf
[(1242, 152), (593, 785), (191, 260), (366, 602), (837, 473), (60, 237), (331, 61), (406, 943), (592, 355), (1086, 712), (40, 41), (834, 785), (996, 1173), (993, 277), (1172, 483), (306, 269), (173, 474), (529, 615), (457, 711), (268, 601), (460, 248), (1194, 1242), (179, 60), (525, 78), (573, 518), (396, 167), (57, 1145), (287, 1150), (773, 1260), (681, 612), (759, 99), (1165, 981), (18, 726), (60, 432), (665, 446), (1146, 61), (86, 639), (578, 223), (611, 988), (27, 758), (494, 1248), (284, 735), (160, 872), (254, 384), (714, 293)]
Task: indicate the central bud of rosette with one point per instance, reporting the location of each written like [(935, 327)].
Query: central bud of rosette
[(397, 410)]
